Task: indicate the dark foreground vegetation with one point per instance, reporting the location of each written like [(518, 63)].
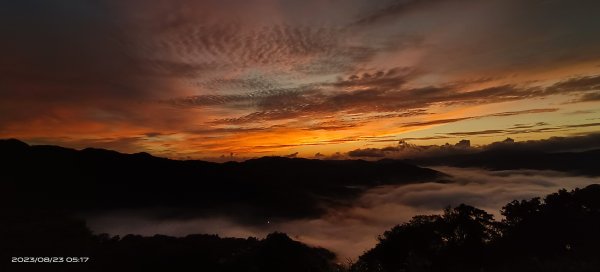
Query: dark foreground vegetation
[(557, 233), (41, 234)]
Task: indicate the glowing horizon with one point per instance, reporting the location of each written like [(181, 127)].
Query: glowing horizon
[(202, 80)]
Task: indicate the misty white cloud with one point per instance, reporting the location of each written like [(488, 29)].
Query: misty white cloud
[(351, 230)]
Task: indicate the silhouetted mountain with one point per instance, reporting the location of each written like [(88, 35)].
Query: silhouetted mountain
[(559, 233), (506, 157), (44, 187), (252, 191)]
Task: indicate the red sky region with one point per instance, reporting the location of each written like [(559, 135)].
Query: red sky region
[(202, 79)]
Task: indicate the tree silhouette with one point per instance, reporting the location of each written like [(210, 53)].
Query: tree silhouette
[(558, 233), (46, 233), (431, 243)]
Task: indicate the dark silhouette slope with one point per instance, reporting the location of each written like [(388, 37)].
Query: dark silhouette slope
[(252, 191), (505, 157)]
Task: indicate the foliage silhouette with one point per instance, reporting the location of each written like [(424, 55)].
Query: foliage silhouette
[(558, 233), (46, 233)]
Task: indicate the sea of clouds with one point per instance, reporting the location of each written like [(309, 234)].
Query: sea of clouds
[(352, 229)]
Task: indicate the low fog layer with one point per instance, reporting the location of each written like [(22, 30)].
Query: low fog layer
[(350, 230)]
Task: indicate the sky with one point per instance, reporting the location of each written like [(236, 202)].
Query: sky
[(237, 79)]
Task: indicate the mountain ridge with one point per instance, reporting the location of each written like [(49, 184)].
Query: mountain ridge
[(270, 187)]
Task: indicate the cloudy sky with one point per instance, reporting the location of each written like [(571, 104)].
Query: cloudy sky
[(203, 79)]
